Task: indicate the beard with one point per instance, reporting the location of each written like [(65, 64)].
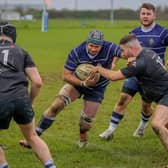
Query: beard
[(147, 23)]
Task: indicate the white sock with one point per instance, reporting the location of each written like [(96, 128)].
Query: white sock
[(4, 165)]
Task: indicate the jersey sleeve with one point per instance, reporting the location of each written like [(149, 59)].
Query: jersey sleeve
[(136, 68), (70, 63), (28, 61), (116, 50)]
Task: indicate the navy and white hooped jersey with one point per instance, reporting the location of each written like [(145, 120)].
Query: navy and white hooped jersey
[(79, 55), (155, 39)]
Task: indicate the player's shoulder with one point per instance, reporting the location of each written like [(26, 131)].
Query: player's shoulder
[(161, 31), (80, 47), (109, 44), (77, 51), (14, 48), (148, 55), (136, 29), (159, 28), (20, 51)]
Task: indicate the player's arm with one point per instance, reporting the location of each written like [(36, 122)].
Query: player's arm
[(36, 81), (70, 78), (109, 74), (114, 62)]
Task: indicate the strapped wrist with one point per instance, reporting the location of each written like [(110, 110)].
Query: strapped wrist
[(83, 83)]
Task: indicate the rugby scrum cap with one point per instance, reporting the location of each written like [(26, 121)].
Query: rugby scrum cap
[(8, 30), (95, 37)]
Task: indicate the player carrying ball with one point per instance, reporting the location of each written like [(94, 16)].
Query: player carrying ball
[(96, 51)]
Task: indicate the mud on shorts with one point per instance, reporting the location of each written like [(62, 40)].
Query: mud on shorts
[(19, 109)]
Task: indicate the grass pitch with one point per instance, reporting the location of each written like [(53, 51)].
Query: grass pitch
[(49, 50)]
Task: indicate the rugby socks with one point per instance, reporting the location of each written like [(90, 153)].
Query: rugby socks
[(4, 165), (44, 124), (83, 136), (115, 120), (50, 164), (144, 120)]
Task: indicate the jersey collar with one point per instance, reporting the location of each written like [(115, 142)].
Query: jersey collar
[(144, 29), (91, 56)]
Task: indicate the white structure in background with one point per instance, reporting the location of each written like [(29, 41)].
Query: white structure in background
[(7, 8), (28, 17), (25, 4), (10, 15)]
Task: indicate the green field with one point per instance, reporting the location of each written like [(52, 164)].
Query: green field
[(49, 51)]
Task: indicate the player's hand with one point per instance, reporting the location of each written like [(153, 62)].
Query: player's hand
[(130, 60), (113, 66), (95, 70), (91, 80)]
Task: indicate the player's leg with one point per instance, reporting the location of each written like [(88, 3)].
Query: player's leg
[(159, 123), (145, 116), (38, 146), (3, 162), (24, 116), (66, 95), (87, 115), (130, 87), (6, 113), (160, 120)]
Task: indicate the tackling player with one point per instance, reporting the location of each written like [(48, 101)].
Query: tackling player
[(152, 77), (152, 36)]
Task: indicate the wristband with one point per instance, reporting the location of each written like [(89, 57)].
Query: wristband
[(83, 84)]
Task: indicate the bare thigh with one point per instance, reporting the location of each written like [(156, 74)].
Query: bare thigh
[(28, 129), (161, 115), (69, 91), (90, 108)]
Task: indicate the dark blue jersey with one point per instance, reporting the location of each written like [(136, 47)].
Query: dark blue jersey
[(155, 39), (79, 55)]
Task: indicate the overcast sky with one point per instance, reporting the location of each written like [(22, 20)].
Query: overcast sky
[(102, 4)]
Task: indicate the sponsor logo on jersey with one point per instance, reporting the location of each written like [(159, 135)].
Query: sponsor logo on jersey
[(151, 42)]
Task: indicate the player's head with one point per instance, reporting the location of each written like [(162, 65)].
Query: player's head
[(95, 41), (147, 14), (8, 30), (130, 46), (95, 37)]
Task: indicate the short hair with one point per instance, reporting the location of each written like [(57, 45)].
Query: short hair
[(127, 38), (8, 30), (95, 37), (148, 6)]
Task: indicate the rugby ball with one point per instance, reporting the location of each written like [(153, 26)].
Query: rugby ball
[(83, 72)]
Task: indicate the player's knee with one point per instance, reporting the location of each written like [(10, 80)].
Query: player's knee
[(31, 138), (156, 126), (147, 110), (124, 100), (85, 122), (60, 102)]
